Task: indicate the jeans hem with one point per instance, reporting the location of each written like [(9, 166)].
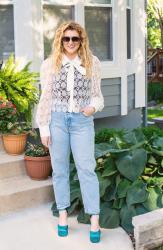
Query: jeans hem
[(92, 213), (63, 207)]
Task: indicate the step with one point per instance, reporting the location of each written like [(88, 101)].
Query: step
[(11, 166), (36, 229), (1, 144), (21, 192)]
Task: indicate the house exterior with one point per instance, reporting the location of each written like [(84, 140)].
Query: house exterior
[(116, 30)]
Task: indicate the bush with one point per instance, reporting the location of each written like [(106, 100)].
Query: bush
[(151, 131), (19, 86), (105, 134), (36, 150), (155, 92), (129, 167)]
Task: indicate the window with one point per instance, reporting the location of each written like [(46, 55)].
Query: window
[(53, 16), (99, 1), (98, 24), (128, 24), (6, 32)]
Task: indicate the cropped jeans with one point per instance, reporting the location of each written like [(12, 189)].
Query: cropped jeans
[(75, 132)]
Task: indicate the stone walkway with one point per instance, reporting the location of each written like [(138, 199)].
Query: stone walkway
[(35, 229)]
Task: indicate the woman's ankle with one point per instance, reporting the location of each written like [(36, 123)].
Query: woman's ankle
[(95, 222), (63, 217)]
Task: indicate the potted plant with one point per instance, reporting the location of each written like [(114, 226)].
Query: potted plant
[(14, 131), (37, 161), (19, 87)]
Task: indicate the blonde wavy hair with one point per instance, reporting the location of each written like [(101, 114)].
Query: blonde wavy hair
[(84, 52)]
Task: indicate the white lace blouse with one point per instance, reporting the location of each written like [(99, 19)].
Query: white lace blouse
[(68, 91)]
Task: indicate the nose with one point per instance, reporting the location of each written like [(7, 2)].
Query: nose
[(70, 42)]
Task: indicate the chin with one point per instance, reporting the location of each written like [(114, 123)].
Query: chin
[(71, 51)]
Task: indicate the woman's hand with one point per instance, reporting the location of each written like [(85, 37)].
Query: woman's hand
[(87, 111), (46, 141)]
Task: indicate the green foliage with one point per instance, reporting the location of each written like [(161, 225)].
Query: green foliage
[(10, 122), (129, 167), (18, 86), (152, 131), (36, 150), (104, 135), (154, 21), (155, 91)]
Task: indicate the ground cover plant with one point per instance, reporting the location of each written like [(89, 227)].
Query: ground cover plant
[(129, 166)]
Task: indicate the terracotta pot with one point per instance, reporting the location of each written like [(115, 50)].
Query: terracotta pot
[(14, 144), (38, 168)]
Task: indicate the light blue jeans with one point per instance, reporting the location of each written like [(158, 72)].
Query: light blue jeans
[(74, 131)]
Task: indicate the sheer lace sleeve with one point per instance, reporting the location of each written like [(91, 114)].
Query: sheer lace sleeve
[(43, 113), (97, 100)]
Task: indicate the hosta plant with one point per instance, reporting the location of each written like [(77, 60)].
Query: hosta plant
[(130, 172)]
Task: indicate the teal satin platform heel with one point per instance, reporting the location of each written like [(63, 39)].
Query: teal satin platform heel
[(62, 231), (95, 236)]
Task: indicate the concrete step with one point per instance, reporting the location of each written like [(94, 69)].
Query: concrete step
[(21, 192), (1, 144), (36, 228), (11, 166)]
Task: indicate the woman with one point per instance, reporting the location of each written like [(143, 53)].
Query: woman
[(71, 94)]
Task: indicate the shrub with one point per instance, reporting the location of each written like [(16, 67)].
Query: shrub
[(129, 169), (155, 91), (10, 121), (18, 86), (36, 150)]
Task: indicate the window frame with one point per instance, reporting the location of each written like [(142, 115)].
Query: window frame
[(79, 7), (111, 5), (129, 6), (7, 3), (55, 3), (86, 3)]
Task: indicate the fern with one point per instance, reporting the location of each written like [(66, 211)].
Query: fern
[(19, 87)]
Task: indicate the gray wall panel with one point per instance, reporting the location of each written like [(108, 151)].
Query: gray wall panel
[(131, 91), (111, 89), (131, 120), (108, 111)]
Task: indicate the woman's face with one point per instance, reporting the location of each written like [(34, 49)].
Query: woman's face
[(71, 42)]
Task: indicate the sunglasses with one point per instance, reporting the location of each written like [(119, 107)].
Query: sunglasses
[(74, 39)]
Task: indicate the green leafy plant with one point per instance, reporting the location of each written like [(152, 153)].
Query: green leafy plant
[(18, 86), (152, 131), (36, 150), (129, 167), (155, 91), (10, 122)]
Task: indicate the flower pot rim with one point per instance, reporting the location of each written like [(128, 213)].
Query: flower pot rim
[(24, 133), (36, 158)]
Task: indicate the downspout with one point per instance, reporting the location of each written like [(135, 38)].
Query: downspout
[(144, 109)]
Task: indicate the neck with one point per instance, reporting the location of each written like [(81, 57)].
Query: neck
[(71, 56)]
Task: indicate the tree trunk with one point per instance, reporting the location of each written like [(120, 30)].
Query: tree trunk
[(162, 38)]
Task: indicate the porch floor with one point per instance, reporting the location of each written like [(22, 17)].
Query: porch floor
[(35, 229)]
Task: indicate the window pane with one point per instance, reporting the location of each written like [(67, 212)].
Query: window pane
[(98, 23), (53, 16), (128, 2), (128, 14), (59, 1), (6, 31), (99, 1)]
